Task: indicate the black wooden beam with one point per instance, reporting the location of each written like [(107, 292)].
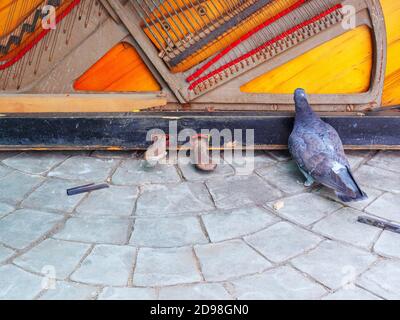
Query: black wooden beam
[(129, 131)]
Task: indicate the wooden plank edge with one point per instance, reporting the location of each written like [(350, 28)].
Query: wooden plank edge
[(79, 103)]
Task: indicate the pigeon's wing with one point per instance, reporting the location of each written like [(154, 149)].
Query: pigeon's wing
[(305, 146), (333, 144), (297, 148), (335, 175)]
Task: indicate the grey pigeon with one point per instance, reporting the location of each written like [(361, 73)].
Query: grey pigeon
[(318, 151)]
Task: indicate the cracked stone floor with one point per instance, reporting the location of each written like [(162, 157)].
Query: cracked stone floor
[(174, 233)]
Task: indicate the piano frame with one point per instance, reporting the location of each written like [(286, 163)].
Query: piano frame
[(108, 122)]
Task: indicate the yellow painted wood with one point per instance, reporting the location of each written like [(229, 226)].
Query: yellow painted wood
[(342, 65), (13, 12), (391, 92)]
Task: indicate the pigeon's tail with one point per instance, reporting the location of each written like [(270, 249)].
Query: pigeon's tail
[(360, 196), (356, 195)]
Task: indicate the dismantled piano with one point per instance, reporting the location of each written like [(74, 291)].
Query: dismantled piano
[(101, 73)]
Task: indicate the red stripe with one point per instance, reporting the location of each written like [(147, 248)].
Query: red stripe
[(268, 22), (39, 37), (268, 43)]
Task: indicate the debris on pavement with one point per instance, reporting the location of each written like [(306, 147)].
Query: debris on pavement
[(278, 205), (86, 188), (379, 224)]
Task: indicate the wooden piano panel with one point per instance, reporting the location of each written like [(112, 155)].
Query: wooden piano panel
[(342, 65), (120, 70), (22, 9), (391, 91)]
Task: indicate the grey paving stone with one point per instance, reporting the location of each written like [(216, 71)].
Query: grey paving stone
[(24, 227), (387, 207), (5, 253), (78, 153), (135, 172), (235, 223), (283, 283), (280, 155), (4, 171), (373, 194), (286, 176), (167, 232), (204, 291), (85, 169), (52, 195), (113, 154), (35, 162), (107, 265), (389, 160), (359, 205), (7, 154), (334, 264), (230, 259), (128, 294), (114, 201), (70, 291), (162, 267), (283, 241), (305, 208), (191, 173), (5, 209), (63, 256), (342, 225), (355, 158), (355, 293), (245, 163), (239, 191), (383, 279), (16, 284), (180, 198), (378, 178), (388, 244), (358, 153), (108, 230), (15, 186)]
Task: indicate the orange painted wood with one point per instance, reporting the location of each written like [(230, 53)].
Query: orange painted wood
[(120, 70)]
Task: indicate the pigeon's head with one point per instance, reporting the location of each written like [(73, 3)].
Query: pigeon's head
[(300, 99), (300, 93)]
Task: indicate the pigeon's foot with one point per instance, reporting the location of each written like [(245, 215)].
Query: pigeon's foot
[(157, 151), (309, 183), (200, 154)]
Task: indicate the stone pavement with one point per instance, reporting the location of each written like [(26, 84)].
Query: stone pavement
[(175, 233)]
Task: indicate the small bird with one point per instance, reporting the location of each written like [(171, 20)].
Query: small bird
[(318, 151)]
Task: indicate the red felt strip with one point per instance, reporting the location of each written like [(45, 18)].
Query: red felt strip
[(268, 22), (39, 37), (266, 44)]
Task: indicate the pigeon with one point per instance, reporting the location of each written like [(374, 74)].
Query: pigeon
[(318, 151)]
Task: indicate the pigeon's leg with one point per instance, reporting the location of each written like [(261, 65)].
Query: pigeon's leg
[(310, 180)]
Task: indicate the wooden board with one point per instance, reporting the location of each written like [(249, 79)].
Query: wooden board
[(129, 131), (79, 103)]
